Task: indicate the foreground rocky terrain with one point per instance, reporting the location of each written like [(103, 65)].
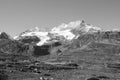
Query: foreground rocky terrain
[(74, 51)]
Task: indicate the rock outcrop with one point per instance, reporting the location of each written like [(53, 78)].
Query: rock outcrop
[(4, 35)]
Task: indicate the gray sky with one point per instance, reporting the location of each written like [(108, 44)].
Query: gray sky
[(18, 15)]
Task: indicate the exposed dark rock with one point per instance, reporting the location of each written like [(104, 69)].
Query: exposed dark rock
[(115, 65), (55, 44), (98, 78), (29, 39), (12, 47), (4, 35), (106, 35), (102, 77), (72, 65), (8, 46), (110, 35), (12, 50), (79, 29), (41, 50), (44, 49), (55, 37), (47, 75), (83, 40), (57, 67), (58, 51), (3, 75), (103, 36), (93, 78)]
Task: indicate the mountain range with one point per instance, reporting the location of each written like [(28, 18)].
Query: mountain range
[(68, 32), (75, 34), (66, 47)]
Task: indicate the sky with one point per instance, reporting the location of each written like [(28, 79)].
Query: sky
[(17, 16)]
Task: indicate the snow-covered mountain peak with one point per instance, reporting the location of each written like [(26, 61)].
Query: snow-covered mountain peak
[(64, 26), (68, 31), (42, 35), (91, 28), (36, 29), (65, 30), (81, 25)]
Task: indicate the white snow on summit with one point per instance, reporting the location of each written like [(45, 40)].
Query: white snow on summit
[(64, 30), (35, 32), (64, 26), (66, 33), (90, 28)]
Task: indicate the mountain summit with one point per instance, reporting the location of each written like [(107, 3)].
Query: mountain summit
[(73, 29), (4, 35), (68, 31)]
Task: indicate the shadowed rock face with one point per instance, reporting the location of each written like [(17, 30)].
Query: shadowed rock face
[(115, 35), (45, 49), (41, 50), (93, 78), (56, 44), (99, 78), (3, 76), (4, 35), (12, 47), (84, 39), (30, 39)]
